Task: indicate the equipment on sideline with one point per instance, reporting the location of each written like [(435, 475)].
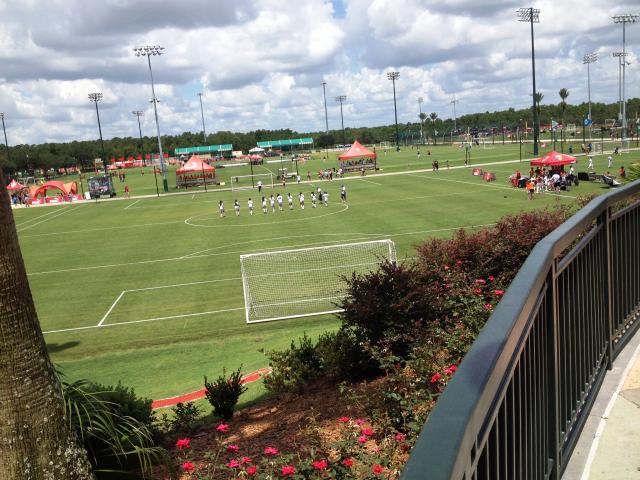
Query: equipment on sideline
[(306, 281), (244, 182)]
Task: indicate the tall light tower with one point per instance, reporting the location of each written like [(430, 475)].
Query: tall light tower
[(455, 119), (588, 59), (532, 15), (148, 51), (138, 114), (342, 98), (620, 56), (393, 76), (204, 132), (624, 19), (6, 144), (420, 100), (95, 98), (326, 117)]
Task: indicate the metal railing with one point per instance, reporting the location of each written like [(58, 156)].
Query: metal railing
[(516, 406)]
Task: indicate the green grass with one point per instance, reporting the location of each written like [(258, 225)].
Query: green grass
[(80, 258)]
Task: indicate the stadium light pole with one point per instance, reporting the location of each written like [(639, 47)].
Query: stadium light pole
[(6, 143), (588, 59), (624, 19), (204, 132), (95, 98), (532, 15), (326, 117), (620, 56), (455, 118), (148, 51), (393, 76), (420, 100), (138, 114), (342, 98)]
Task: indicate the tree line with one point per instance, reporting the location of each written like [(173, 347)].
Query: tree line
[(82, 153)]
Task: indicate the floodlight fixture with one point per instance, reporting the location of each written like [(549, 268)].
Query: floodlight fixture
[(532, 15), (393, 76), (528, 15), (95, 98)]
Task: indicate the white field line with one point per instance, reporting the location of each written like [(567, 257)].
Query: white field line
[(369, 181), (58, 214), (132, 204), (368, 236), (111, 308), (184, 284), (36, 218), (86, 230)]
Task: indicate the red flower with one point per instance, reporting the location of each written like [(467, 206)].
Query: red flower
[(233, 448), (459, 262), (187, 466), (377, 469), (499, 293), (222, 428), (368, 432), (362, 439), (233, 463), (450, 370), (480, 280), (347, 462), (488, 306), (320, 464), (477, 291), (183, 443), (360, 421), (244, 460), (436, 378), (271, 451), (288, 470), (344, 419), (491, 278), (400, 437), (251, 470)]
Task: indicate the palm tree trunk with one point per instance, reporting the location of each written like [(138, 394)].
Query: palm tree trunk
[(36, 442)]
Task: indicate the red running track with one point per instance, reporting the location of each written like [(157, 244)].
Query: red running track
[(188, 397)]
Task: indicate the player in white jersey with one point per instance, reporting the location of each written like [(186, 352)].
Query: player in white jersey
[(313, 199), (236, 207), (325, 197), (301, 198), (221, 208), (279, 199), (272, 203), (264, 205), (290, 200), (343, 194), (259, 186), (250, 205)]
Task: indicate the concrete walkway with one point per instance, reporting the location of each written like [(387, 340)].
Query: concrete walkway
[(609, 446)]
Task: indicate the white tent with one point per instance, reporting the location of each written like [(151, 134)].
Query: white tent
[(256, 150)]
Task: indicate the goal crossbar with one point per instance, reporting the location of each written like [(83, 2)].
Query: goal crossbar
[(247, 182), (305, 282)]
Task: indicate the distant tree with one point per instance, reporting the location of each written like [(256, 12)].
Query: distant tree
[(564, 93), (538, 99), (433, 116), (423, 117)]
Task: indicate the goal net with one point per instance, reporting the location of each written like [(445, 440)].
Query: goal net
[(305, 281), (247, 182)]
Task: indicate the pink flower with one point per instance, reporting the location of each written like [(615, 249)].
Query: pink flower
[(498, 293), (344, 419), (271, 451), (477, 291), (376, 449), (480, 280), (459, 262), (233, 463), (288, 470), (183, 443), (446, 267), (450, 370), (222, 428), (368, 432), (491, 278), (400, 437), (320, 464), (347, 462), (245, 460), (362, 439), (488, 306), (233, 448), (360, 421), (251, 470), (436, 378), (377, 469), (187, 466)]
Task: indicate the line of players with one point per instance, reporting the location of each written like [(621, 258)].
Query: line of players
[(323, 197)]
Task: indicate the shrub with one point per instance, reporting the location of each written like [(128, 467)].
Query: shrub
[(124, 401), (292, 368), (343, 358), (184, 417), (223, 393)]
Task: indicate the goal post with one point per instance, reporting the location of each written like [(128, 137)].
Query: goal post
[(306, 281), (247, 182)]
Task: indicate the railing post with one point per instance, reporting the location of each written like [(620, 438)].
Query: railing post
[(553, 380), (605, 219)]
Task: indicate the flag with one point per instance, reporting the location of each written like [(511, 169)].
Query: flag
[(554, 124)]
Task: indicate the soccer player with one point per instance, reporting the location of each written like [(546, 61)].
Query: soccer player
[(272, 203), (250, 205), (319, 194), (343, 194), (236, 207), (590, 167), (264, 205), (290, 200), (313, 199), (259, 186), (325, 197), (301, 199), (279, 199), (610, 161), (221, 208)]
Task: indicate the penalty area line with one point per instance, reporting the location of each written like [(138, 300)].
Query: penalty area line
[(111, 308), (131, 205)]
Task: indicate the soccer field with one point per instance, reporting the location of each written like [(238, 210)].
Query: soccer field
[(148, 290)]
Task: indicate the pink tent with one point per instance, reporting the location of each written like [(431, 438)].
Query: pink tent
[(15, 186), (553, 159), (357, 150)]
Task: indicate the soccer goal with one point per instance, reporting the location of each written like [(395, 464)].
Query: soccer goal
[(247, 182), (306, 281)]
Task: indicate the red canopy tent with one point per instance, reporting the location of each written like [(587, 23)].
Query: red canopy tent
[(65, 188), (357, 150), (13, 186), (553, 159), (358, 157), (195, 172)]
